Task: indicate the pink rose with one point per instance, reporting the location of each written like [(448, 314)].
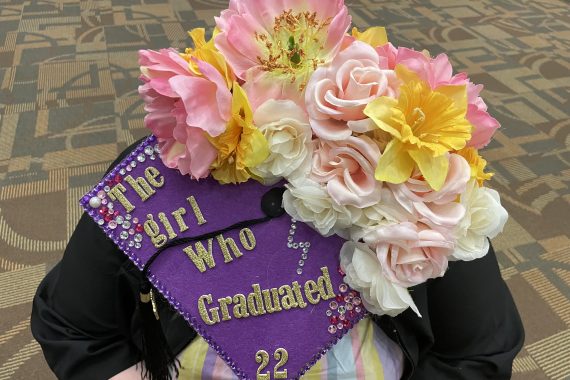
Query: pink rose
[(347, 168), (338, 93), (439, 72), (438, 209), (182, 108), (410, 253)]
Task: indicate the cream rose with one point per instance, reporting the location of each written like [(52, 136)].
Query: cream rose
[(364, 274), (337, 94), (410, 253), (309, 202), (485, 218), (286, 128), (347, 169)]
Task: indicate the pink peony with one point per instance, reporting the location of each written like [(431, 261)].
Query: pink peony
[(338, 93), (347, 168), (267, 43), (438, 72), (182, 108), (410, 253), (438, 209)]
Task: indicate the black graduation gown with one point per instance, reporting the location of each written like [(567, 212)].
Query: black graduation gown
[(84, 316)]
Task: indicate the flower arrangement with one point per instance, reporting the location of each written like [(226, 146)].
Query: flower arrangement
[(376, 143)]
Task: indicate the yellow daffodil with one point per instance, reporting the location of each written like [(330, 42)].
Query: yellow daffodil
[(241, 146), (375, 36), (425, 124), (207, 52), (477, 164)]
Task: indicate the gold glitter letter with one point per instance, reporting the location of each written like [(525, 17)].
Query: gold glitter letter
[(299, 295), (310, 290), (202, 257), (247, 239), (162, 217), (151, 173), (153, 231), (224, 302), (196, 209), (178, 217), (141, 187), (240, 306), (223, 242), (255, 302), (204, 312), (325, 286), (288, 299), (116, 194)]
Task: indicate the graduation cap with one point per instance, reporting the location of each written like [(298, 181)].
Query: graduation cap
[(264, 290)]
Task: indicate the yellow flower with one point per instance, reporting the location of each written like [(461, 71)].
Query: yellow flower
[(425, 124), (375, 36), (241, 146), (477, 164), (207, 52)]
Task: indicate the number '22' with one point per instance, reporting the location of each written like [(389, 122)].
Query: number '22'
[(262, 357)]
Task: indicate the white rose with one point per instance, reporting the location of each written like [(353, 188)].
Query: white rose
[(484, 218), (385, 212), (364, 274), (307, 201), (288, 133)]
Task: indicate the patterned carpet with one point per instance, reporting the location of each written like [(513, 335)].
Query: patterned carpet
[(69, 105)]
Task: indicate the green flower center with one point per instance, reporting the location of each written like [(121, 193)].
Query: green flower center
[(295, 47)]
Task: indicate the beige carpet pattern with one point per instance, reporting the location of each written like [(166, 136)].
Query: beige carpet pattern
[(69, 105)]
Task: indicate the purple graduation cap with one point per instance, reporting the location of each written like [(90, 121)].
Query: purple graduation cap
[(264, 290)]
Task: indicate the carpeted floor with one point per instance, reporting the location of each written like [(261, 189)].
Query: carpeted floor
[(69, 105)]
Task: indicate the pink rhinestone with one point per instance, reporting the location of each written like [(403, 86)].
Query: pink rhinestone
[(341, 317), (332, 329), (112, 224), (131, 231), (339, 326), (101, 194), (135, 220), (357, 301), (349, 306), (358, 309)]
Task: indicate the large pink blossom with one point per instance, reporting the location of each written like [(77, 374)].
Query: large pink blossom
[(347, 168), (267, 43), (410, 253), (182, 108), (438, 72), (338, 93), (438, 209)]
